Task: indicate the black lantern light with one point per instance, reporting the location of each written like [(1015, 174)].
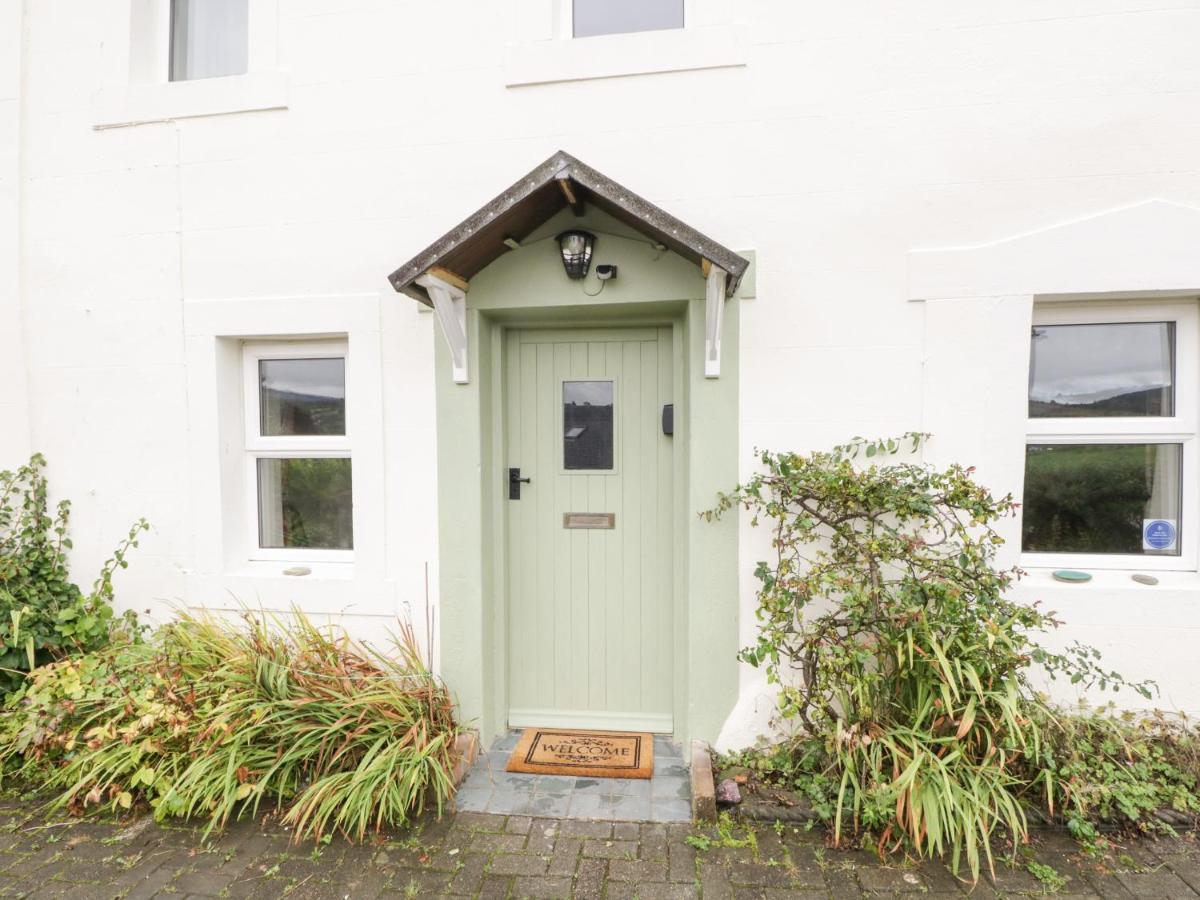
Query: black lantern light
[(576, 249)]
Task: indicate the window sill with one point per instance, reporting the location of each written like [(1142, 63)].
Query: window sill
[(334, 589), (323, 570), (1120, 564), (618, 55), (1113, 579), (120, 106)]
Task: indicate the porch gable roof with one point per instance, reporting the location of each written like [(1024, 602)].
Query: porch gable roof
[(560, 181)]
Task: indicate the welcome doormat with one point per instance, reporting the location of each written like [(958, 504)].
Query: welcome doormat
[(588, 754)]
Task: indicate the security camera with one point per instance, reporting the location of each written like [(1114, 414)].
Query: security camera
[(606, 272)]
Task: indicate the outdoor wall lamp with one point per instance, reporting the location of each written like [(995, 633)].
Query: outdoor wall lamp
[(576, 247)]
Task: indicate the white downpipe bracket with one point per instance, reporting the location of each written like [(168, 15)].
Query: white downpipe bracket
[(714, 317), (450, 306)]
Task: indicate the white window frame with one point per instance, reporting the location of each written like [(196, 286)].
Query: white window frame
[(258, 446), (1177, 429), (136, 81), (170, 43), (544, 49), (564, 22)]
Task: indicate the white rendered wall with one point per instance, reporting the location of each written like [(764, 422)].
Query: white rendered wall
[(14, 410), (833, 139)]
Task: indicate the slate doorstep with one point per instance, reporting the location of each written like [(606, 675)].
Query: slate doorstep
[(704, 797)]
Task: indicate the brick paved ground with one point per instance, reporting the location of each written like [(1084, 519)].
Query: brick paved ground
[(476, 855)]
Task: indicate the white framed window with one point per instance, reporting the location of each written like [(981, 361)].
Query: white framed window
[(298, 451), (176, 59), (208, 39), (576, 40), (591, 18), (1111, 441)]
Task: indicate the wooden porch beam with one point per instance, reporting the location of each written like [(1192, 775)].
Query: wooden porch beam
[(573, 200)]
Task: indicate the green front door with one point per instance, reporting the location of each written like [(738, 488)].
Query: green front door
[(590, 538)]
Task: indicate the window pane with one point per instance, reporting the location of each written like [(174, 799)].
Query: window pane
[(1102, 498), (1124, 369), (305, 503), (209, 38), (592, 17), (302, 396), (587, 424)]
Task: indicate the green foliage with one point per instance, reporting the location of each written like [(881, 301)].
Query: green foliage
[(724, 836), (1049, 876), (208, 719), (896, 649), (43, 614), (1122, 768)]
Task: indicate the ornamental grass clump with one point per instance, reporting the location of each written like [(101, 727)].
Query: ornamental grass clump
[(211, 717), (898, 653)]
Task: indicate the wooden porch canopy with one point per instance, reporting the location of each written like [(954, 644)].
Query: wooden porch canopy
[(440, 274)]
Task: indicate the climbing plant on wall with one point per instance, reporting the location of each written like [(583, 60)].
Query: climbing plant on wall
[(43, 613)]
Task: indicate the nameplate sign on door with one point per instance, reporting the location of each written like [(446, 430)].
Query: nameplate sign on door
[(589, 520)]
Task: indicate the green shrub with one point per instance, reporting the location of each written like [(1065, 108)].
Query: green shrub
[(208, 719), (43, 614), (897, 651), (1101, 766)]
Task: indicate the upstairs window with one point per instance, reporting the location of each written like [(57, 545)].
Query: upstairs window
[(209, 38), (595, 17), (298, 451), (1110, 455)]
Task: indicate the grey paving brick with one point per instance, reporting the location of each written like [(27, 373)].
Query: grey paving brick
[(566, 855), (612, 849), (627, 831), (519, 864), (469, 878), (518, 824), (577, 828), (542, 886), (590, 878), (639, 870), (543, 833), (1155, 883), (682, 861), (498, 843)]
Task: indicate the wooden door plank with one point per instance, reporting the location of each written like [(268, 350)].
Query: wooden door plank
[(631, 489), (614, 631), (597, 547), (663, 693), (539, 652), (558, 538), (575, 674)]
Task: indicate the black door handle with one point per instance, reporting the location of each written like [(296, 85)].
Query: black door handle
[(514, 484)]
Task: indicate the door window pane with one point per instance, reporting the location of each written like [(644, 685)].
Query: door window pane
[(209, 38), (305, 503), (1102, 498), (1122, 369), (587, 424), (593, 17), (302, 396)]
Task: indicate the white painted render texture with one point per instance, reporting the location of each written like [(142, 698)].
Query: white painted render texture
[(848, 144)]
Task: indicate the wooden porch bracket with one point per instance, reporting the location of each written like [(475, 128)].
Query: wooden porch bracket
[(449, 295), (714, 317)]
